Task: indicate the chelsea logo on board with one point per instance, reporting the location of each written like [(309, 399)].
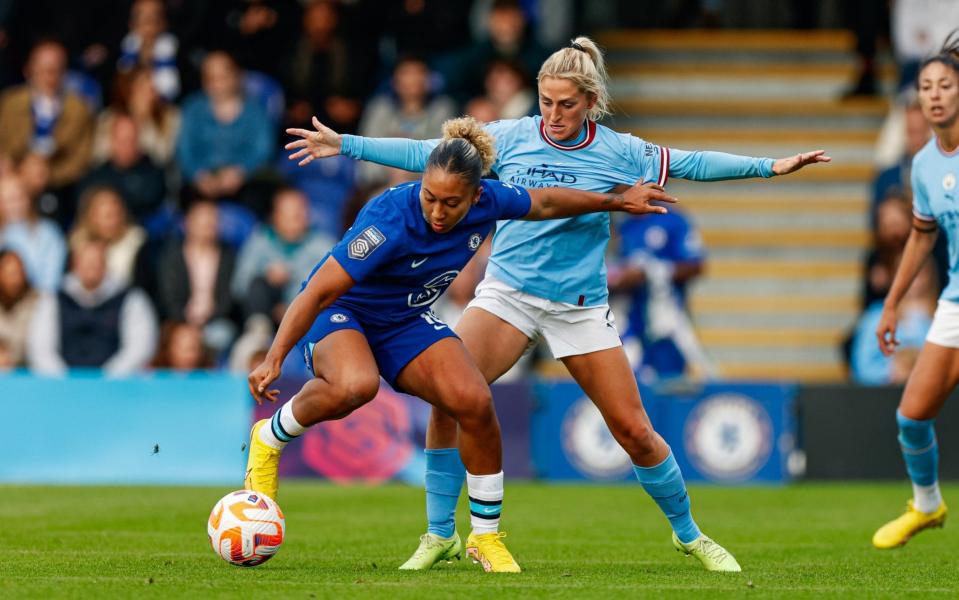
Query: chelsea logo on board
[(949, 182), (475, 241)]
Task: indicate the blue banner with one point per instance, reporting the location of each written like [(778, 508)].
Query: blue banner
[(162, 429), (719, 432)]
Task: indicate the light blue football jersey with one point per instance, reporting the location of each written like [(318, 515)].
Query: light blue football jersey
[(563, 260), (934, 174)]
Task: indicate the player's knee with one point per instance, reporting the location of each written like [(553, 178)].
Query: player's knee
[(637, 438), (472, 405), (357, 389)]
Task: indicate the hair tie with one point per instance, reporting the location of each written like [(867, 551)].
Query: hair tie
[(576, 46)]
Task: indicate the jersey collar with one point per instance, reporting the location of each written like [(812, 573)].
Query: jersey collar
[(590, 136)]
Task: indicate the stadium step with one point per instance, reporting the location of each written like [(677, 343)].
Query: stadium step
[(782, 282)]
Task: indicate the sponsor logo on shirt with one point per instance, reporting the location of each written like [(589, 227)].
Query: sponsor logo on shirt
[(475, 241), (432, 289), (364, 244)]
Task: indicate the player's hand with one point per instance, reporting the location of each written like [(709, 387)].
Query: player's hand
[(315, 144), (260, 379), (886, 331), (791, 164), (637, 199)]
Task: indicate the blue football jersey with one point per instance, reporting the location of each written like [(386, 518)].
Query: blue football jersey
[(563, 259), (400, 265), (934, 173)]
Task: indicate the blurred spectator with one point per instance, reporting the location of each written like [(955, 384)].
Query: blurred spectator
[(425, 27), (918, 29), (259, 31), (18, 300), (150, 46), (34, 172), (102, 217), (482, 109), (194, 275), (278, 257), (225, 138), (40, 116), (140, 183), (868, 20), (38, 241), (158, 122), (869, 365), (409, 111), (893, 224), (328, 184), (661, 255), (509, 38), (323, 78), (508, 90), (182, 348), (93, 321), (895, 179)]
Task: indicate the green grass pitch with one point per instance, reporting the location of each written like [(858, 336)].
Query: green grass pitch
[(807, 540)]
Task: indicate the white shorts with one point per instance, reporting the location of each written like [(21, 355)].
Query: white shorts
[(569, 330), (945, 325)]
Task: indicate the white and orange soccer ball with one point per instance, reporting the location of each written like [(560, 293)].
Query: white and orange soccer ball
[(246, 528)]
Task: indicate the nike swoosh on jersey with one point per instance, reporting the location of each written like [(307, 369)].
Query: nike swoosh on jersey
[(417, 263)]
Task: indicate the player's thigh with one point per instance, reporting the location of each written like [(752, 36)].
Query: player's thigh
[(444, 375), (344, 360), (932, 379), (608, 380), (494, 344)]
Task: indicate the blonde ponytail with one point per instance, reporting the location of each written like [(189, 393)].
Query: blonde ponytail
[(583, 64)]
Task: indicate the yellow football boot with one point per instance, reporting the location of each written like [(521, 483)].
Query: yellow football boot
[(263, 464), (433, 549), (712, 556), (897, 532), (488, 550)]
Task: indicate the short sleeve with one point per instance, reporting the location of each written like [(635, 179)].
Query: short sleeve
[(372, 240), (921, 207), (509, 201), (650, 160)]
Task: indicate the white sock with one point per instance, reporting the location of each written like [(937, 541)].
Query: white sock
[(282, 428), (926, 498), (486, 501)]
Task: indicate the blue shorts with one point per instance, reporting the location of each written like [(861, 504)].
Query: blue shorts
[(394, 346)]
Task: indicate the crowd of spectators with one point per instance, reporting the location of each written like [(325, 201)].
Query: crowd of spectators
[(148, 215)]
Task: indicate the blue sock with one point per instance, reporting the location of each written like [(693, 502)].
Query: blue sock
[(919, 449), (445, 474), (665, 484)]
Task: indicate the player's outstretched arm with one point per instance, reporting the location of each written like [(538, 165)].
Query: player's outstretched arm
[(409, 155), (791, 164), (918, 246), (557, 203), (329, 283), (719, 166)]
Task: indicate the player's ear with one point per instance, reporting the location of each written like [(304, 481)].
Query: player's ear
[(590, 100), (477, 194)]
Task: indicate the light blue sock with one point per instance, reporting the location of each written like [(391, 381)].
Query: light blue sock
[(445, 474), (919, 449), (665, 484)]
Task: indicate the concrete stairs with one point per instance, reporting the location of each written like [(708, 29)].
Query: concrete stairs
[(785, 255)]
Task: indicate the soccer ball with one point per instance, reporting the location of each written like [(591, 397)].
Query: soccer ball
[(246, 528)]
